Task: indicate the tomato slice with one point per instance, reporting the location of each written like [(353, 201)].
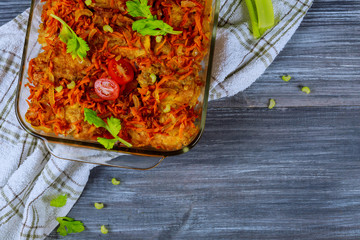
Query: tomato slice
[(107, 89), (121, 71)]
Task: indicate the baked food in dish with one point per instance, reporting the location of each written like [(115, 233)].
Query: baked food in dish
[(159, 78)]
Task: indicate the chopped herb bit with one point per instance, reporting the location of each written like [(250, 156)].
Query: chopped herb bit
[(150, 25), (158, 39), (104, 230), (99, 205), (115, 181), (107, 28), (286, 78), (306, 90), (88, 2), (167, 108), (272, 103), (153, 78), (71, 85), (59, 88), (68, 225), (113, 125), (75, 45), (59, 201), (261, 16)]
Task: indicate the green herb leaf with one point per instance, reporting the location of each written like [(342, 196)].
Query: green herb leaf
[(139, 8), (88, 2), (114, 126), (92, 118), (74, 44), (65, 34), (149, 26), (83, 48), (59, 201), (68, 225), (62, 230), (77, 47), (107, 143), (153, 27)]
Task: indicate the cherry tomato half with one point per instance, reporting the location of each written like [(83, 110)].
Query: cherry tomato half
[(107, 89), (121, 71)]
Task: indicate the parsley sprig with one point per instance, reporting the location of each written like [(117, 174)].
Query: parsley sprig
[(68, 225), (150, 25), (113, 125), (139, 8), (59, 201), (75, 45)]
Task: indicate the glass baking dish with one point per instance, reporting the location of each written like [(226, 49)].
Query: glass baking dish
[(90, 151)]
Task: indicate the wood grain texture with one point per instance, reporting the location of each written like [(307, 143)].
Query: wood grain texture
[(287, 173), (256, 174), (323, 54), (11, 8)]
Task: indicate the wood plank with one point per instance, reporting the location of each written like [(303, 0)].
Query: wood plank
[(10, 9), (323, 54), (287, 173)]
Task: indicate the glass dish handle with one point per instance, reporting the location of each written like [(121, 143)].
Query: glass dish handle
[(103, 157)]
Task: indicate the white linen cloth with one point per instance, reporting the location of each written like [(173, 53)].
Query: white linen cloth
[(30, 177)]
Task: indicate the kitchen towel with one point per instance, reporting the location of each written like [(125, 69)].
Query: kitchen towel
[(30, 177), (239, 58)]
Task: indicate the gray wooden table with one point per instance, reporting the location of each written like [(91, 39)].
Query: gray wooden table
[(288, 173)]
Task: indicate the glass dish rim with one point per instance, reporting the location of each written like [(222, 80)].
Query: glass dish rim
[(121, 149)]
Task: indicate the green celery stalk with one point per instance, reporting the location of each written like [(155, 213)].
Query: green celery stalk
[(253, 18), (261, 14), (265, 12)]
